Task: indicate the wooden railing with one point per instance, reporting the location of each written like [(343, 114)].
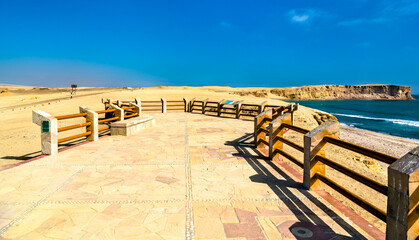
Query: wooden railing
[(402, 189), (161, 105), (236, 109), (93, 124), (262, 121), (85, 125)]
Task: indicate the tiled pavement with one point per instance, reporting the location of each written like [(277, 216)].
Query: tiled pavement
[(190, 177)]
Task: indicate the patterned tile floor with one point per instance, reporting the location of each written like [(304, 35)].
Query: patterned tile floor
[(190, 177)]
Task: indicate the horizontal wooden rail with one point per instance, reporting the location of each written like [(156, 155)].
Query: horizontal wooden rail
[(151, 101), (126, 108), (131, 115), (381, 188), (103, 128), (175, 105), (263, 130), (228, 112), (151, 109), (74, 137), (74, 126), (250, 105), (365, 151), (108, 119), (289, 143), (295, 128), (70, 116), (291, 158), (106, 111), (175, 101), (249, 110), (151, 105), (353, 197)]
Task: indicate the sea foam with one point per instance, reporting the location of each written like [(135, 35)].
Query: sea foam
[(395, 121)]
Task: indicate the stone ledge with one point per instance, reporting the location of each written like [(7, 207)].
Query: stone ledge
[(131, 126)]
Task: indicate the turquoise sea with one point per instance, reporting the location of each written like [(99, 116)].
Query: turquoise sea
[(398, 118)]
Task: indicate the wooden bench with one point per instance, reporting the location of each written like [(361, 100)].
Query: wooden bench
[(131, 126)]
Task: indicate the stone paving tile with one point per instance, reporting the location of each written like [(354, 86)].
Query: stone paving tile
[(265, 220), (135, 183), (214, 155), (236, 182), (31, 184), (102, 221), (191, 175), (11, 211)]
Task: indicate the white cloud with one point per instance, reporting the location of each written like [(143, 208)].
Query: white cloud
[(301, 18), (304, 15)]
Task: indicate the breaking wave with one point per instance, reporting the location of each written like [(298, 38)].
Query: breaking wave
[(395, 121)]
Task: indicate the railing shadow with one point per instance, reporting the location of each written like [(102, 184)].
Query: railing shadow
[(23, 157), (282, 188)]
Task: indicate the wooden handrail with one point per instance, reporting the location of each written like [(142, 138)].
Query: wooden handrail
[(250, 105), (74, 137), (365, 151), (106, 111), (377, 186), (291, 158), (74, 126), (289, 143), (176, 105), (295, 128), (108, 119), (126, 108), (103, 128), (70, 116), (131, 115), (151, 105), (353, 197)]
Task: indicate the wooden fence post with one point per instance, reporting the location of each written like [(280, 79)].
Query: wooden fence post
[(220, 104), (274, 131), (137, 108), (238, 108), (118, 103), (313, 145), (260, 131), (119, 112), (204, 105), (92, 117), (293, 109), (163, 105), (49, 131), (403, 197), (261, 107), (138, 102), (191, 104), (185, 101)]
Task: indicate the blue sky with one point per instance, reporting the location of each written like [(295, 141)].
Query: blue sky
[(196, 43)]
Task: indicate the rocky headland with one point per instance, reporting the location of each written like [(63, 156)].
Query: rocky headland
[(335, 92)]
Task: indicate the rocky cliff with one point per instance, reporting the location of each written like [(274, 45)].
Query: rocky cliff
[(390, 92)]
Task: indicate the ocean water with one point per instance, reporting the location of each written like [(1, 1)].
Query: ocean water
[(398, 118)]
